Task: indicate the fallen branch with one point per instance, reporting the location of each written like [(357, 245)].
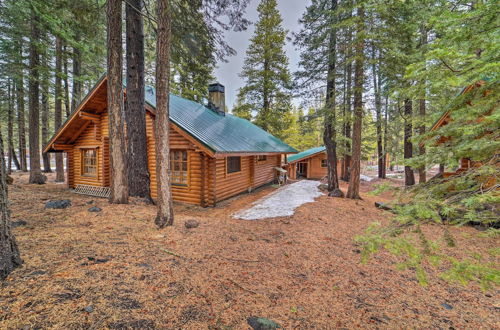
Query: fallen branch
[(241, 287), (173, 253), (236, 260)]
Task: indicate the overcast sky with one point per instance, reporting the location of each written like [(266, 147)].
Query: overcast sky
[(228, 73)]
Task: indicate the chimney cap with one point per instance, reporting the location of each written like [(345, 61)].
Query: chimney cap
[(216, 87)]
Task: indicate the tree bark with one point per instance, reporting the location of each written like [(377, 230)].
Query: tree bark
[(408, 145), (353, 190), (378, 111), (135, 113), (422, 176), (119, 185), (45, 121), (165, 215), (9, 252), (58, 107), (347, 121), (76, 93), (66, 83), (386, 122), (10, 130), (330, 132), (21, 117), (36, 175)]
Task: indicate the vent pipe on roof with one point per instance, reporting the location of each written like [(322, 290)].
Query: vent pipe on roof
[(216, 98)]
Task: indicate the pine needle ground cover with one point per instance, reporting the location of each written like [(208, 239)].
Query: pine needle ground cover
[(113, 269)]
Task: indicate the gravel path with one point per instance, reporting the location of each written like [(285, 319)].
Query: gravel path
[(283, 202)]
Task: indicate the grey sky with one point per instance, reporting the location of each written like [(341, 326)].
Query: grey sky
[(228, 73)]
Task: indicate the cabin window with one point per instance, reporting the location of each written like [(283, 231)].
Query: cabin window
[(323, 163), (233, 164), (89, 162), (179, 167), (261, 158)]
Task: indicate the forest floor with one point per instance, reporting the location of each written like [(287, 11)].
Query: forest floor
[(114, 269)]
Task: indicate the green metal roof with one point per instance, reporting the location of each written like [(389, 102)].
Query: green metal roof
[(220, 133), (305, 154)]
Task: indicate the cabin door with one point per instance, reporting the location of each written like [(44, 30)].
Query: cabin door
[(301, 170)]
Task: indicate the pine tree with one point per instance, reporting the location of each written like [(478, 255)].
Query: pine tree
[(119, 185), (58, 106), (267, 79), (135, 113), (165, 214)]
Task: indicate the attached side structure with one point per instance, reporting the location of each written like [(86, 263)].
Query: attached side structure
[(214, 155), (309, 164)]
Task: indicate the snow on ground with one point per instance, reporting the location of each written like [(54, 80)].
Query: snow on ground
[(365, 178), (282, 202)]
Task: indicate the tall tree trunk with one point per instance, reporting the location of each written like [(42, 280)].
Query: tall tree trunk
[(21, 117), (77, 67), (45, 121), (58, 107), (135, 113), (353, 190), (408, 145), (10, 124), (119, 185), (66, 82), (330, 133), (384, 173), (347, 121), (378, 111), (421, 171), (165, 215), (36, 175), (9, 252), (14, 158)]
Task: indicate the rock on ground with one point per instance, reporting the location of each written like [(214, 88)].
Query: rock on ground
[(58, 204), (261, 323), (191, 224), (95, 209)]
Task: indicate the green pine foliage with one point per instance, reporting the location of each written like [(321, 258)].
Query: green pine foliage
[(267, 88)]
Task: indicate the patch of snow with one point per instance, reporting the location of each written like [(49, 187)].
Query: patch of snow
[(282, 202), (365, 178)]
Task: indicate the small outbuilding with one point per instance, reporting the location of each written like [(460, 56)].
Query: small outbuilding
[(309, 164)]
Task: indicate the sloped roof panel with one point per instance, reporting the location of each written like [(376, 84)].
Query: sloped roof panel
[(305, 154)]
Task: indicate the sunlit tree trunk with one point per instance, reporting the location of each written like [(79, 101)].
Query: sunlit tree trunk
[(21, 116), (408, 145), (45, 120), (165, 215), (353, 190)]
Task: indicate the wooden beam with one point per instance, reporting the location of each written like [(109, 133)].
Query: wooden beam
[(89, 116), (80, 131), (63, 147)]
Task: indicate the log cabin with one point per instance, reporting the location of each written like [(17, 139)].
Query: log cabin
[(214, 155), (309, 164), (446, 118)]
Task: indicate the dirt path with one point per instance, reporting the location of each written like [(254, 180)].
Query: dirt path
[(113, 269)]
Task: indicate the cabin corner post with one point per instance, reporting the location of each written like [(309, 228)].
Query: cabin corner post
[(203, 187)]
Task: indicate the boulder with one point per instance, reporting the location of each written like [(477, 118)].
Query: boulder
[(191, 224), (15, 224), (95, 209), (336, 193), (383, 206), (261, 323), (58, 204)]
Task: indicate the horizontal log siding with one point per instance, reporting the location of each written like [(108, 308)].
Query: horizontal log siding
[(190, 194), (230, 184), (88, 139), (264, 170)]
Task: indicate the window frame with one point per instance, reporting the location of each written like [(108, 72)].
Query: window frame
[(83, 165), (325, 161), (261, 158), (181, 162), (231, 171)]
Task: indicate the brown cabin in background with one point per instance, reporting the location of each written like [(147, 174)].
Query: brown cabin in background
[(309, 164), (465, 163), (214, 155)]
